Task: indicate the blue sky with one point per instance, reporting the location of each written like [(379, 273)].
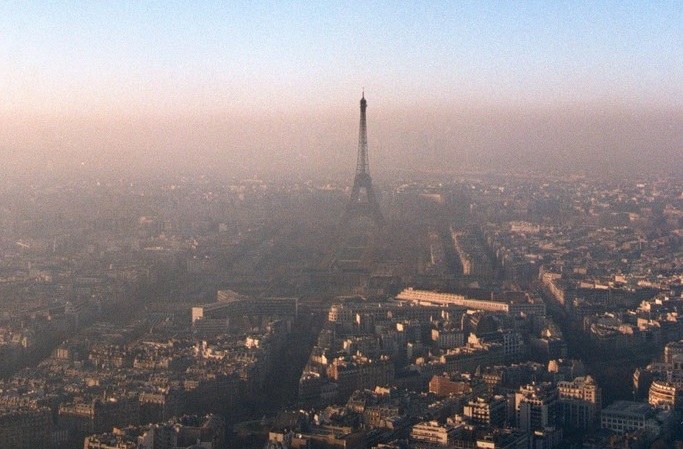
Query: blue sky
[(80, 78), (275, 54)]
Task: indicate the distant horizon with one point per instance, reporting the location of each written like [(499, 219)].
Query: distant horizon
[(274, 87), (563, 140)]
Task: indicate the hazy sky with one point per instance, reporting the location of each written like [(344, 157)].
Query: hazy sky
[(275, 85)]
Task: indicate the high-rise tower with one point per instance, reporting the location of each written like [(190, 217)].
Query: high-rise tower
[(363, 202)]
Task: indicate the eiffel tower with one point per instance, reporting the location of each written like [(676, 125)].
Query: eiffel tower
[(363, 205)]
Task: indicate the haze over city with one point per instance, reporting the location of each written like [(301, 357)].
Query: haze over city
[(364, 225), (272, 87)]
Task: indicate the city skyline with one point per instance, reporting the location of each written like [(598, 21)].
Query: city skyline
[(380, 225)]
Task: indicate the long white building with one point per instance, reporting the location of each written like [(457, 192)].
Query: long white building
[(529, 306)]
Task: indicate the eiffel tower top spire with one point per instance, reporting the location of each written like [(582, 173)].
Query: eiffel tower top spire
[(362, 164)]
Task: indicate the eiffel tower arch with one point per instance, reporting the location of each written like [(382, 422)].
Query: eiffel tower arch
[(363, 201)]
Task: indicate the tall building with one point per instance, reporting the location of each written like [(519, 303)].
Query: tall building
[(490, 412), (664, 394), (536, 406), (580, 402), (363, 201)]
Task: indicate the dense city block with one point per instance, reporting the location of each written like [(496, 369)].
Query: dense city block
[(512, 313)]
